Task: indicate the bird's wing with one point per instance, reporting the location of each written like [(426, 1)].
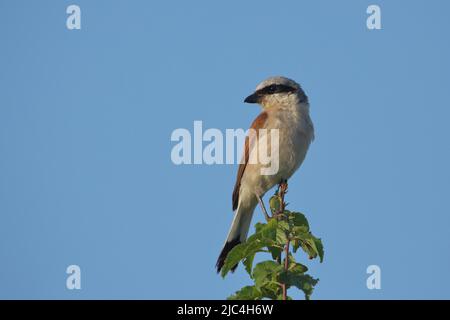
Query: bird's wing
[(257, 124)]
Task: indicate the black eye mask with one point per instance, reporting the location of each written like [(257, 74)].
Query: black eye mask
[(275, 88)]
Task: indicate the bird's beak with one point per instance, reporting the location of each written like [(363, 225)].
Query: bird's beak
[(253, 98)]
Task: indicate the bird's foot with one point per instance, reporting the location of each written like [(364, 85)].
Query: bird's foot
[(282, 187)]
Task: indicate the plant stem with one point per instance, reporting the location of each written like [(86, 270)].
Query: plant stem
[(286, 266), (282, 189)]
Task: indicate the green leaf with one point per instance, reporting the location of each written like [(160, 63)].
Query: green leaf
[(282, 230), (295, 245), (319, 247), (306, 283), (308, 244), (271, 290), (303, 282), (292, 227), (275, 204), (299, 221), (265, 231), (269, 230), (266, 272), (246, 293), (248, 263), (233, 257), (283, 225), (264, 237), (259, 226), (242, 251), (298, 268), (276, 253)]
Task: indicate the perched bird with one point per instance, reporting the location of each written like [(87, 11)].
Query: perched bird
[(285, 107)]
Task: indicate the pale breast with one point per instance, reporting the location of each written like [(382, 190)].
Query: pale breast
[(295, 132)]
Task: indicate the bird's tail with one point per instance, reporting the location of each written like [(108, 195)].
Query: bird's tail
[(237, 234)]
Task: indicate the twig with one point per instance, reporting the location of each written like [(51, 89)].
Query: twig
[(263, 208), (286, 267), (282, 190)]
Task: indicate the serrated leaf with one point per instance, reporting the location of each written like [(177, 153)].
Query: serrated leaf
[(240, 252), (298, 268), (264, 237), (308, 247), (248, 263), (306, 283), (274, 235), (295, 245), (319, 247), (269, 231), (308, 244), (234, 256), (283, 225), (303, 282), (265, 231), (246, 293), (275, 204), (299, 221), (281, 237), (299, 230), (276, 253), (271, 290), (259, 226), (265, 272)]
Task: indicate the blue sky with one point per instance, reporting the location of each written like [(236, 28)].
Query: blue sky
[(86, 117)]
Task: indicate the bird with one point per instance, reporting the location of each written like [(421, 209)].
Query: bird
[(285, 107)]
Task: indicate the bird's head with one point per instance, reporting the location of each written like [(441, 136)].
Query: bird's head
[(275, 91)]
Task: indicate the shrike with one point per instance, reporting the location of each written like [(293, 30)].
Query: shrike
[(285, 108)]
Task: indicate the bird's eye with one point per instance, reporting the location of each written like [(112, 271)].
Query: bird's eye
[(272, 89)]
